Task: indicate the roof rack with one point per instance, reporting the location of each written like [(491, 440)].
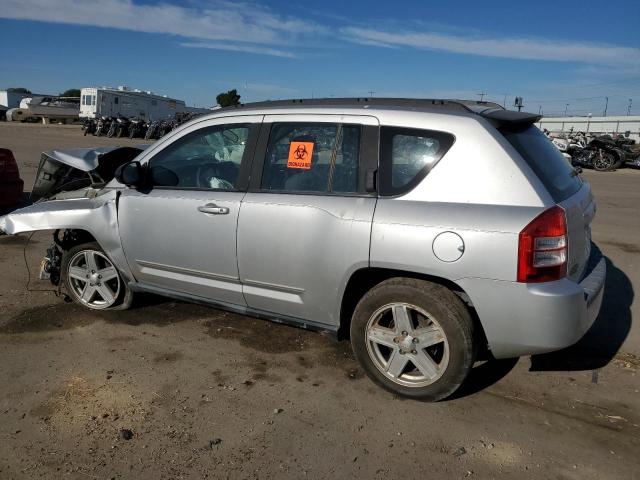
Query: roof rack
[(460, 105), (489, 110)]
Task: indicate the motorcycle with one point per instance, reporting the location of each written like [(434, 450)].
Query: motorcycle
[(89, 126), (602, 154), (122, 127), (103, 125), (113, 126), (137, 128), (152, 130), (630, 149)]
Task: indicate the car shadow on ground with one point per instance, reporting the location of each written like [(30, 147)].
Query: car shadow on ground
[(605, 337), (595, 350), (483, 375)]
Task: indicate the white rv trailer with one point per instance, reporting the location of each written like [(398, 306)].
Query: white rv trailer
[(122, 101)]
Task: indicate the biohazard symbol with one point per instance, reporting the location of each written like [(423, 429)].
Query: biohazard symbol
[(300, 155)]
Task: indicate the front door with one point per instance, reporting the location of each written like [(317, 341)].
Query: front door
[(305, 224), (180, 235)]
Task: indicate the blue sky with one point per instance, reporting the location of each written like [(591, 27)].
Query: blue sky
[(550, 53)]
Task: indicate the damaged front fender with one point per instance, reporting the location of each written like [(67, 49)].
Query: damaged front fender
[(98, 216)]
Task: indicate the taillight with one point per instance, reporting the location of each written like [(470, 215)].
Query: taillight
[(542, 248)]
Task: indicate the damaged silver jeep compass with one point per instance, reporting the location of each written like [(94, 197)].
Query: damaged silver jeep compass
[(426, 231)]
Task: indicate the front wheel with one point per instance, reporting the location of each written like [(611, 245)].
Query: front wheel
[(414, 338), (92, 280), (604, 161)]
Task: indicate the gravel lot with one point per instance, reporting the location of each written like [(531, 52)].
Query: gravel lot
[(172, 390)]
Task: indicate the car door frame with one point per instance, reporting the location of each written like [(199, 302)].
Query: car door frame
[(255, 120), (368, 163), (369, 148)]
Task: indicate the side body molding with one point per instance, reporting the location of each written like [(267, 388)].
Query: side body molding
[(98, 216)]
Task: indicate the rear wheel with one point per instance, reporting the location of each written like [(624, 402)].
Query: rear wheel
[(92, 280), (414, 338)]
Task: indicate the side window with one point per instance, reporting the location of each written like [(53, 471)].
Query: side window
[(312, 157), (208, 158), (407, 155)]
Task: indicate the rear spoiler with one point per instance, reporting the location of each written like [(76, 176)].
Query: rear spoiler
[(501, 118)]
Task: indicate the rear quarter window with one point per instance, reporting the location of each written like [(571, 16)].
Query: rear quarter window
[(546, 161), (407, 155)]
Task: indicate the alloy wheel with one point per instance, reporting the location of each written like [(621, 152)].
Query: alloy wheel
[(407, 345), (93, 279)]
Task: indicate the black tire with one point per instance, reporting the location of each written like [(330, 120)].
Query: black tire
[(125, 295), (443, 306)]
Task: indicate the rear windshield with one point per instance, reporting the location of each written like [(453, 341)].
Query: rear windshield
[(554, 171)]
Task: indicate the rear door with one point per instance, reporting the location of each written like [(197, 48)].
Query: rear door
[(305, 224)]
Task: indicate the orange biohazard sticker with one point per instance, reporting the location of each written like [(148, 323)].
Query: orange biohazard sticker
[(300, 154)]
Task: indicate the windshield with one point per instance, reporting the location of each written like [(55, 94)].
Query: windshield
[(555, 172)]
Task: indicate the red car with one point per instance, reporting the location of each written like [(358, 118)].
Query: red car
[(11, 184)]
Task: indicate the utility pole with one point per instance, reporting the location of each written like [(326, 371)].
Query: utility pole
[(629, 107), (482, 94), (371, 92), (565, 109), (539, 109), (504, 101), (606, 104)]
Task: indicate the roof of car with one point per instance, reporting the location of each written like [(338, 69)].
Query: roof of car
[(492, 111)]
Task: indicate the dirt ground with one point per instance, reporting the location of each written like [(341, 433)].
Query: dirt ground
[(170, 390)]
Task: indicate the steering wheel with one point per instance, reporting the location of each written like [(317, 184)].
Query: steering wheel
[(209, 176)]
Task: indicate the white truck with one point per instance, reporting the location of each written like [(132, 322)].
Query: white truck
[(124, 102)]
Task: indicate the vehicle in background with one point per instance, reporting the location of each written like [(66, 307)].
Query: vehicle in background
[(46, 108), (89, 126), (137, 128), (128, 103), (11, 185), (429, 232)]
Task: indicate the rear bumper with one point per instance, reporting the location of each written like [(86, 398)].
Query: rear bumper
[(11, 192), (526, 319)]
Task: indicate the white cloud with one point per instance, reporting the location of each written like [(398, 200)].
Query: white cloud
[(240, 48), (220, 20), (515, 48), (253, 28)]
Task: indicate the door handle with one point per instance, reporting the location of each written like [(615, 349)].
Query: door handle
[(213, 209)]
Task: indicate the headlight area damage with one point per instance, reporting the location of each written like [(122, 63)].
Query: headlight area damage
[(71, 199), (71, 170)]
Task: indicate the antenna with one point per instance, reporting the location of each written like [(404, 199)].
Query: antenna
[(518, 103), (482, 94)]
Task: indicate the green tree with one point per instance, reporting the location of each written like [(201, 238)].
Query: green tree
[(18, 90), (228, 99), (72, 92)]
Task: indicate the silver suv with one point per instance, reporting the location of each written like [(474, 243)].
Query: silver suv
[(427, 231)]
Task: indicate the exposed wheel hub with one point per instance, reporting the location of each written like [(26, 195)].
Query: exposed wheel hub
[(406, 343)]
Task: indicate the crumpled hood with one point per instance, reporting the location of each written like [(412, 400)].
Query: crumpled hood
[(73, 169), (85, 159)]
